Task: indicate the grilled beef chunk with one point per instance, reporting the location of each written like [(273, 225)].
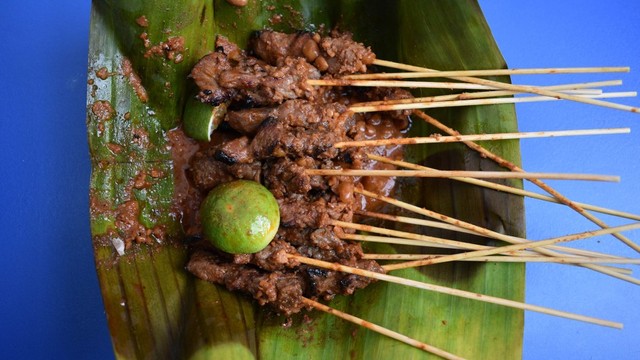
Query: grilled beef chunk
[(229, 75), (235, 151), (281, 290), (336, 54), (247, 121)]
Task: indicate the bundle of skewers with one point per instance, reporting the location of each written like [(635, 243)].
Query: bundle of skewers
[(520, 249)]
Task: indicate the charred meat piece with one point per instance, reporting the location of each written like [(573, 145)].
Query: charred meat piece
[(272, 258), (302, 128), (345, 56), (273, 46), (247, 121), (297, 112), (322, 282), (327, 284), (248, 171), (278, 140), (206, 172), (285, 178), (235, 151), (299, 212), (281, 290), (294, 236), (336, 54), (351, 282), (288, 81), (303, 113), (229, 75), (326, 239), (205, 75)]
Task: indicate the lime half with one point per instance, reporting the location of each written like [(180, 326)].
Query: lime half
[(199, 120)]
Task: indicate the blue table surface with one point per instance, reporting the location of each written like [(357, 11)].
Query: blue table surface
[(50, 305)]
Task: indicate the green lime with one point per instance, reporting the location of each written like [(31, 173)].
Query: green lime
[(240, 217), (199, 120)]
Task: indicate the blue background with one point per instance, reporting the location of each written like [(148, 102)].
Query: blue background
[(50, 306)]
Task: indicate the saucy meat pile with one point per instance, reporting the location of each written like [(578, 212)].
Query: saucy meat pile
[(277, 126)]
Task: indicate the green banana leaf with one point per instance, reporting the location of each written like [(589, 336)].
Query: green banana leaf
[(156, 310)]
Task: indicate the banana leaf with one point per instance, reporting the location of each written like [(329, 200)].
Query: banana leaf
[(137, 89)]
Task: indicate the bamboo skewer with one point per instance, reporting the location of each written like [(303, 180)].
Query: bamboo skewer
[(413, 221), (458, 173), (412, 239), (476, 229), (396, 241), (379, 329), (516, 259), (450, 291), (476, 102), (523, 254), (406, 238), (508, 238), (507, 189), (511, 166), (511, 248), (395, 83), (511, 87), (488, 94), (407, 235), (577, 253), (491, 72), (448, 226), (583, 91), (455, 101), (433, 139)]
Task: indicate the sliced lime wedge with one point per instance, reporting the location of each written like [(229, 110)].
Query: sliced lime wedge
[(199, 120)]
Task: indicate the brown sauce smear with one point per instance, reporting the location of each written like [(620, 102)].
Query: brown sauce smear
[(186, 198), (103, 110), (171, 49), (134, 80), (375, 127)]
